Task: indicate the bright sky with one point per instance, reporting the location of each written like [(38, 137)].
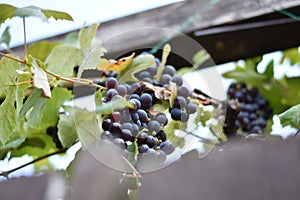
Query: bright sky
[(82, 11)]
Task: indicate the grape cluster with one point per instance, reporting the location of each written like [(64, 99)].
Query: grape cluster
[(254, 108), (135, 124)]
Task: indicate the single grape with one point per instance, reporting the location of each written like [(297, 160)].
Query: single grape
[(178, 80), (106, 124), (115, 129), (127, 126), (146, 101), (175, 114), (162, 119), (106, 135), (143, 148), (111, 82), (143, 74), (169, 69), (191, 108), (136, 88), (183, 91), (110, 94), (134, 96), (142, 137), (161, 135), (135, 117), (165, 79), (184, 117), (152, 70), (167, 146), (126, 135), (142, 115), (119, 142), (151, 141), (154, 126), (122, 90), (116, 116)]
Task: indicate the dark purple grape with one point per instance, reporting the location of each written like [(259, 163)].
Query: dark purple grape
[(146, 100), (135, 117), (169, 69), (136, 88), (106, 124), (111, 82), (110, 94), (151, 141), (119, 142), (178, 80), (122, 90), (134, 96), (184, 117), (154, 126), (183, 91), (142, 137), (175, 114), (165, 79), (191, 108), (161, 135), (152, 70), (127, 126), (143, 74), (142, 115), (143, 148), (126, 135), (116, 116), (115, 129), (167, 146), (162, 119), (106, 135)]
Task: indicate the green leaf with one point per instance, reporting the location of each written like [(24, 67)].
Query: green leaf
[(7, 12), (38, 105), (291, 117), (270, 69), (87, 127), (86, 57), (23, 78), (139, 63), (67, 132), (8, 114), (40, 79), (170, 129), (292, 55), (98, 97), (166, 52), (64, 63), (41, 49), (92, 53), (86, 35), (11, 144), (30, 11), (72, 39), (113, 105), (37, 144), (5, 37), (57, 15), (33, 99), (51, 113)]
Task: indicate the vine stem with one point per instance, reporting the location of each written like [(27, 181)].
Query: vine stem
[(6, 173), (25, 42), (83, 82), (135, 172), (13, 58)]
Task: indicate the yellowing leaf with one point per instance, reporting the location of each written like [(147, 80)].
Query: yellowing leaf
[(116, 65), (40, 79)]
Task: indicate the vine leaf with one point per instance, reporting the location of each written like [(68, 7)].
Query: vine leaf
[(40, 79), (5, 37), (291, 117), (9, 11), (8, 115), (67, 132), (292, 55), (42, 49), (166, 52), (139, 63), (119, 65), (113, 105), (87, 127), (87, 56)]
